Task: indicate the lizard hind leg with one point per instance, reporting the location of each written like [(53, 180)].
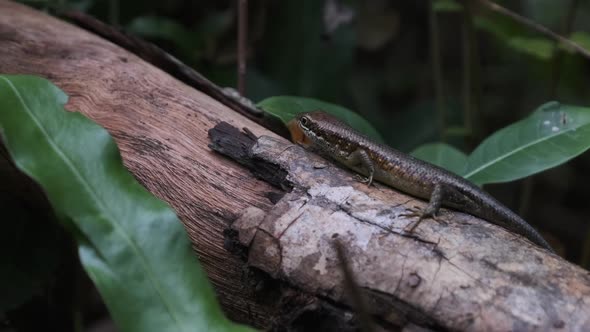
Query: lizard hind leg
[(431, 209)]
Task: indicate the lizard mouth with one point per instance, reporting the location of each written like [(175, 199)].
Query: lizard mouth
[(297, 134)]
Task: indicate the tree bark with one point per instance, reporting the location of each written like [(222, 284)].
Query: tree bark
[(463, 274)]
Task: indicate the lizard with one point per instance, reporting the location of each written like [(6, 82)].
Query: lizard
[(324, 134)]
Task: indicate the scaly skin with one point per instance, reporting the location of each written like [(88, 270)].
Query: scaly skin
[(324, 134)]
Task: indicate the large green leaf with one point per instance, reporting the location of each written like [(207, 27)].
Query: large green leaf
[(286, 108), (131, 244), (443, 155), (552, 135)]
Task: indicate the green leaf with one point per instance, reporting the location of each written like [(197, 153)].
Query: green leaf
[(540, 48), (443, 155), (446, 6), (516, 37), (581, 38), (131, 244), (552, 135), (286, 108)]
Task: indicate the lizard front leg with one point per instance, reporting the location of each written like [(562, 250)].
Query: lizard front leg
[(436, 199), (361, 157)]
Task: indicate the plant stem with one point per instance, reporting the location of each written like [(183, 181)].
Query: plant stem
[(437, 70), (567, 24), (471, 82), (242, 44)]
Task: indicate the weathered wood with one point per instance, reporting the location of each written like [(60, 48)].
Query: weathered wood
[(460, 274)]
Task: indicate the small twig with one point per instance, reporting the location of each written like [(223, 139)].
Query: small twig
[(242, 44), (436, 70), (535, 26)]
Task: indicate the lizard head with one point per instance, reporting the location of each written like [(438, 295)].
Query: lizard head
[(305, 126)]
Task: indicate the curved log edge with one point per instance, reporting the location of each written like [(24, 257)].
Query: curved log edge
[(460, 274)]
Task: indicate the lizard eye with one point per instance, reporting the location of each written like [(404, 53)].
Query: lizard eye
[(304, 121)]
